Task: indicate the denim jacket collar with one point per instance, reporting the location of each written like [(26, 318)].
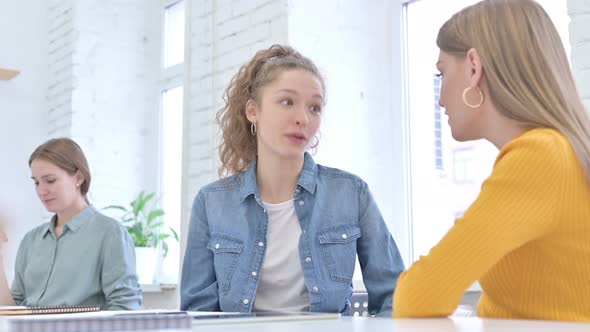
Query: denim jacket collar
[(307, 178)]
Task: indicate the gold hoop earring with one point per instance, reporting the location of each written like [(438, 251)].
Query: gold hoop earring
[(465, 98), (253, 128), (317, 142)]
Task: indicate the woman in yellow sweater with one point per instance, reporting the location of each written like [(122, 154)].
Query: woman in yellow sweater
[(526, 238)]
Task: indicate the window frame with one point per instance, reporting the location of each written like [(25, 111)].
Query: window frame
[(169, 78)]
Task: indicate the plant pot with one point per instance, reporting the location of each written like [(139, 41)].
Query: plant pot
[(146, 262)]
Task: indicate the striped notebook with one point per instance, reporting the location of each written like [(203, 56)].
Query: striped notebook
[(95, 323), (16, 311)]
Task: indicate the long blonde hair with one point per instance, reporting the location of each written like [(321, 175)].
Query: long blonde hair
[(525, 66), (238, 146)]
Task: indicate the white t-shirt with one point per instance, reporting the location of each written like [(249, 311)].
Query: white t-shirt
[(281, 285)]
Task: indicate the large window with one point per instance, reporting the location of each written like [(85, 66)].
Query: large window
[(173, 52), (438, 198), (171, 125)]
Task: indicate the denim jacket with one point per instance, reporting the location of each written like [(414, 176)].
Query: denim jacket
[(339, 220)]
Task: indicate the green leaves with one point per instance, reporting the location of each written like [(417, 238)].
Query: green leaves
[(144, 222), (153, 215)]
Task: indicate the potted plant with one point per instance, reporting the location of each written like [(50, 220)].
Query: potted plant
[(143, 220)]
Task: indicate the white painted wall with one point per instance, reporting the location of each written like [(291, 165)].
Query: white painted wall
[(356, 45), (23, 122)]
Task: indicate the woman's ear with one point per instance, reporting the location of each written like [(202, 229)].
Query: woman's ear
[(250, 110), (475, 67), (79, 179)]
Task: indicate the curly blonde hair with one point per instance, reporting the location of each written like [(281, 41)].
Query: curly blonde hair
[(238, 147)]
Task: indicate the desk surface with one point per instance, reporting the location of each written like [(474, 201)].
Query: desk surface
[(348, 324)]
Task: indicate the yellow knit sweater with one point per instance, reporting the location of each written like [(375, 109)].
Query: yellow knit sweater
[(526, 239)]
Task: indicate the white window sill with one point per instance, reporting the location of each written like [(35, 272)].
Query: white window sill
[(157, 288), (359, 287)]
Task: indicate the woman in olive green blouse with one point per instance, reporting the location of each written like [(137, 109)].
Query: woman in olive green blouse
[(80, 257)]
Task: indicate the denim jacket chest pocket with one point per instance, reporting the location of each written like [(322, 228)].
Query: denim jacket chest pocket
[(226, 251), (339, 247)]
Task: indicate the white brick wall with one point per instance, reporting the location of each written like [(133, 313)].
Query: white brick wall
[(102, 91), (115, 105), (62, 36), (224, 35), (579, 11)]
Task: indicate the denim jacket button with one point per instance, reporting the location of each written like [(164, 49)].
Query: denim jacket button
[(245, 301), (308, 259), (344, 236), (315, 289), (217, 246), (301, 203), (261, 244), (254, 273)]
